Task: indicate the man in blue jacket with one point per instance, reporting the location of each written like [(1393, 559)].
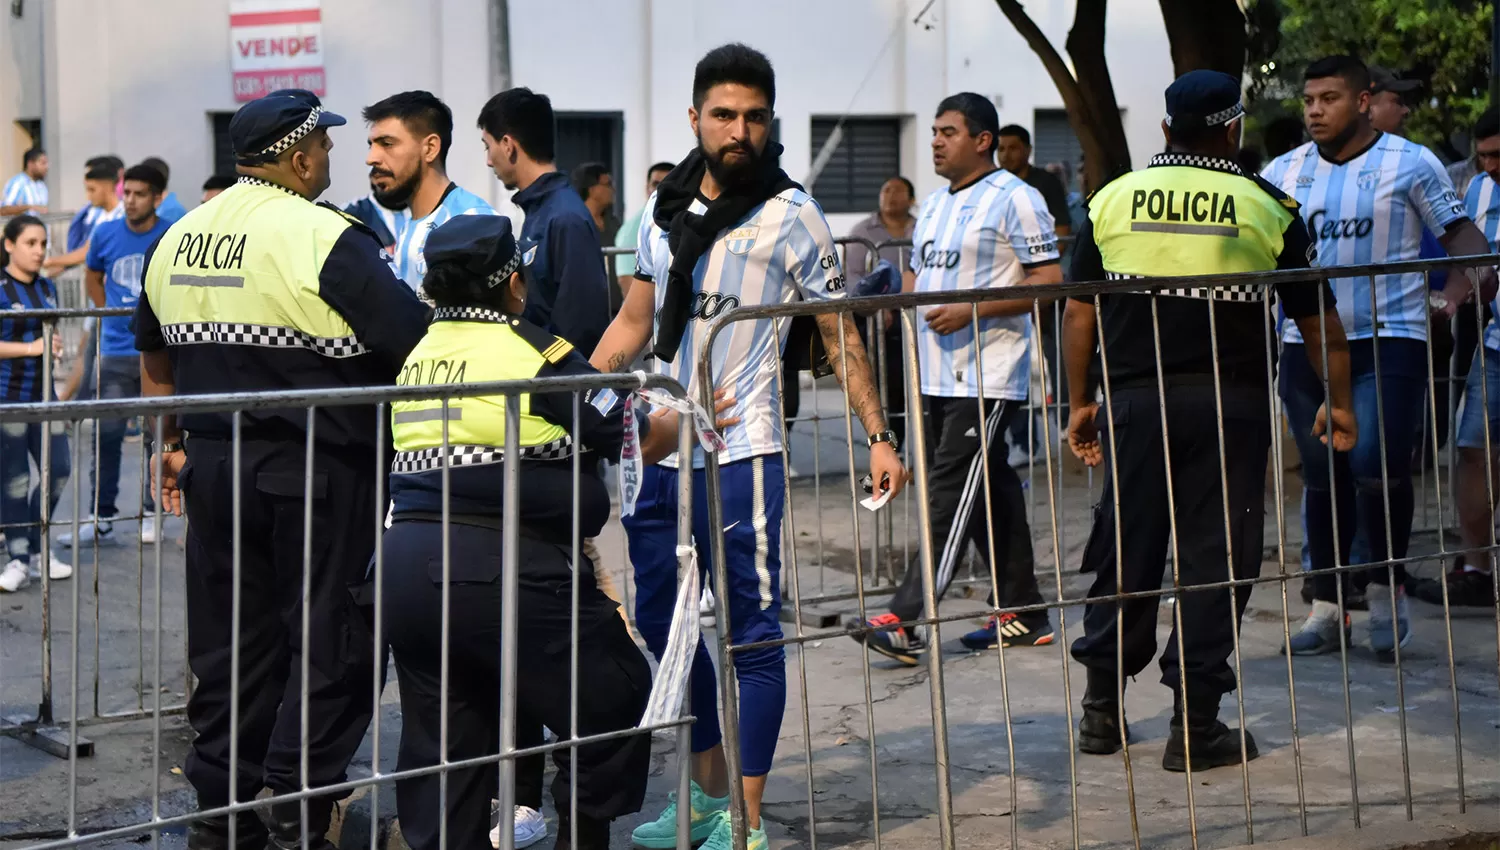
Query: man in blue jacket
[(568, 268)]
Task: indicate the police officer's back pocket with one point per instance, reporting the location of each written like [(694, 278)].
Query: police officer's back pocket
[(481, 569)]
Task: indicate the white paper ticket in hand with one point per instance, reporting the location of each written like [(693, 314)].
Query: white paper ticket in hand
[(875, 503)]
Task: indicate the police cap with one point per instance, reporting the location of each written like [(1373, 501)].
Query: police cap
[(481, 245), (265, 128), (1382, 79), (1203, 99)]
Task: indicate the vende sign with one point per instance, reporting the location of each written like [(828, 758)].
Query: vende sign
[(275, 44)]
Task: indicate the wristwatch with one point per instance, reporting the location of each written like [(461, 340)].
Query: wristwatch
[(886, 436), (170, 446)]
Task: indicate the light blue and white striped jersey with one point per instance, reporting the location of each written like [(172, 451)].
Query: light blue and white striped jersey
[(1482, 201), (1371, 209), (781, 251), (981, 236), (21, 189), (412, 235)]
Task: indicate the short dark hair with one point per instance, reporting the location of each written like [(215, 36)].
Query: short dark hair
[(1488, 124), (31, 155), (102, 171), (978, 112), (219, 182), (526, 117), (660, 166), (1350, 68), (160, 165), (910, 189), (421, 112), (586, 176), (734, 63), (107, 160), (148, 174), (1017, 131)]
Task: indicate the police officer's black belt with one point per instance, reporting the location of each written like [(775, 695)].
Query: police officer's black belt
[(474, 520)]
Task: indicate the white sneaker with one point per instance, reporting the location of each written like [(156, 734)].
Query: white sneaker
[(148, 529), (531, 827), (14, 576), (56, 570), (706, 616), (90, 530)]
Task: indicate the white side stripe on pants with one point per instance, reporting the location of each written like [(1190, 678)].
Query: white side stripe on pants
[(954, 544), (758, 522)]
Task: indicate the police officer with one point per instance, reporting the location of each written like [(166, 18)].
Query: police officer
[(1192, 212), (475, 277), (265, 290)]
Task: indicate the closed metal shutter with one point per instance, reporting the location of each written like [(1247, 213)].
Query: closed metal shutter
[(1052, 140), (868, 155), (223, 149), (592, 137)]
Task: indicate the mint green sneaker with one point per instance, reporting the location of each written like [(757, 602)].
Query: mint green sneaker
[(661, 834), (722, 837)]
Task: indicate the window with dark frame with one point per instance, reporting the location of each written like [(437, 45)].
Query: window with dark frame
[(223, 149), (868, 155), (584, 137)]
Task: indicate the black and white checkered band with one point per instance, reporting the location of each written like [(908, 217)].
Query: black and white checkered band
[(1194, 160), (1240, 293), (426, 460), (295, 136), (472, 314), (256, 181), (1223, 116), (506, 270), (263, 336)]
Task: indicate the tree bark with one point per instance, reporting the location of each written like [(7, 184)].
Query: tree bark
[(1207, 34), (1089, 99)]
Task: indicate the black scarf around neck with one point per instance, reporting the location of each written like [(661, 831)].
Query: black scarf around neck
[(690, 235)]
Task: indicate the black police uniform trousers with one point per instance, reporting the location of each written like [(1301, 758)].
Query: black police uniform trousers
[(614, 678), (960, 511), (1145, 530), (339, 650)]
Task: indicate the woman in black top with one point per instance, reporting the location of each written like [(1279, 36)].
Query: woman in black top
[(22, 346)]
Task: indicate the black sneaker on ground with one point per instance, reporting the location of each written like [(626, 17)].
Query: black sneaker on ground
[(1466, 589), (1099, 730), (1214, 745)]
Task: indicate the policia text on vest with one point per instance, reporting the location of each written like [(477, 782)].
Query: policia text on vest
[(1187, 211)]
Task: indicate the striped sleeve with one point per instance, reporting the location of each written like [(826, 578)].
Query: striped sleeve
[(1432, 193), (813, 256), (13, 188), (1029, 228), (644, 266)]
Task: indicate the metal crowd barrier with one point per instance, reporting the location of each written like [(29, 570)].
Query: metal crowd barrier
[(1321, 724), (58, 723)]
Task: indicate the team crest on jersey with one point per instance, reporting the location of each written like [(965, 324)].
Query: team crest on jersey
[(966, 214), (1367, 180), (741, 239)]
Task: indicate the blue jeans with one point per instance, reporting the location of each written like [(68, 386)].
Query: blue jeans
[(119, 377), (20, 444), (754, 495), (1353, 487), (1482, 389)]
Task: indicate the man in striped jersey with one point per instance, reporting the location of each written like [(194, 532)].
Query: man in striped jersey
[(410, 134), (987, 230), (727, 228), (27, 191), (1471, 584), (1366, 197)]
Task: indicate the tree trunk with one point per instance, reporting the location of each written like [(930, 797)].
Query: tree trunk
[(1206, 34), (1089, 99)]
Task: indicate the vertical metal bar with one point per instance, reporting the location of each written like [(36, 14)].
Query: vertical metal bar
[(46, 568), (575, 539), (509, 615), (44, 465), (929, 597), (687, 570), (1390, 554), (445, 647), (1114, 477), (236, 433), (1278, 476), (728, 683), (376, 649), (1234, 608), (156, 500), (1177, 588), (304, 723)]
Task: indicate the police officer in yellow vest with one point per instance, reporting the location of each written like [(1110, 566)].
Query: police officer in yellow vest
[(476, 279), (262, 289), (1192, 212)]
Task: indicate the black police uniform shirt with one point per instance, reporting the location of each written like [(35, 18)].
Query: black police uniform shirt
[(263, 290), (476, 344), (1188, 215)]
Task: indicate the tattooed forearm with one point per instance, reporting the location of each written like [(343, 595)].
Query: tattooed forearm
[(852, 367), (616, 362)]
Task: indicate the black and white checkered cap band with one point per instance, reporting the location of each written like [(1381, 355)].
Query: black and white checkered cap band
[(256, 181), (1223, 116), (1197, 160), (263, 336), (1242, 293), (295, 136), (426, 460), (505, 271), (471, 314)]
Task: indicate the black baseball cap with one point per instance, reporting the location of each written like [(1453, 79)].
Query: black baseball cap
[(481, 245), (266, 127), (1203, 99), (1382, 79)]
